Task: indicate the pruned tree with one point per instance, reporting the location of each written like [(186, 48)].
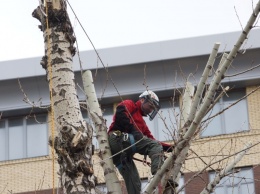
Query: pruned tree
[(73, 142), (199, 108)]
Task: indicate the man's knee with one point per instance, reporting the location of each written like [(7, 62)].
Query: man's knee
[(156, 147)]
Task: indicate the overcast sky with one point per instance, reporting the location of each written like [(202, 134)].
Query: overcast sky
[(111, 23)]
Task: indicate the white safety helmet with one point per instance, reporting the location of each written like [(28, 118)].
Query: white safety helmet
[(150, 96)]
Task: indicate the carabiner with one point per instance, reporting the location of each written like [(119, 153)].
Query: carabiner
[(125, 136)]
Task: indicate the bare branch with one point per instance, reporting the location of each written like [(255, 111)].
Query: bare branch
[(28, 101), (202, 82), (250, 69), (4, 188), (238, 18), (218, 98), (186, 106), (210, 187), (112, 181), (232, 104), (219, 76), (212, 163)]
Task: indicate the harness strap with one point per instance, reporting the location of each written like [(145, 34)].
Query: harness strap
[(124, 137), (132, 141)]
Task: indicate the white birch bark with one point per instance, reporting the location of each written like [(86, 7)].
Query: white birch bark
[(220, 74), (177, 158), (112, 182), (184, 114), (224, 172), (73, 143), (185, 110), (209, 96), (179, 149), (186, 105), (74, 159), (201, 85), (216, 80)]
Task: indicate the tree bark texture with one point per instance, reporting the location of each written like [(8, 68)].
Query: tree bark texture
[(198, 111), (73, 143), (112, 181)]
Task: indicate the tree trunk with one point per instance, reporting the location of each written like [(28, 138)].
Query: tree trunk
[(112, 182), (73, 143)]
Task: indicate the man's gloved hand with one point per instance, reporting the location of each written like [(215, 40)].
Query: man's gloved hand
[(168, 148), (137, 134)]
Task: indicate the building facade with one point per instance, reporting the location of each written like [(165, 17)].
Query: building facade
[(25, 157)]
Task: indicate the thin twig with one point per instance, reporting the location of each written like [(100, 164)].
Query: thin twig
[(224, 91), (243, 71), (4, 188), (210, 164), (232, 104), (238, 18), (27, 100)]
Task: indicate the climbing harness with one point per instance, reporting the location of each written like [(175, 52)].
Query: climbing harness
[(123, 137)]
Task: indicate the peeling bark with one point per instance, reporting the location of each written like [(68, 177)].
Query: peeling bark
[(73, 143), (112, 182)]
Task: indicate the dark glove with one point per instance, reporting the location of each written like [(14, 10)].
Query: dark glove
[(136, 133), (168, 148)]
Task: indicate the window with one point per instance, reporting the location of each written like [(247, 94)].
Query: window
[(168, 121), (165, 125), (181, 183), (233, 120), (238, 183), (23, 138), (144, 185)]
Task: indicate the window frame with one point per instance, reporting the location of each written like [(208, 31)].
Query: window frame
[(243, 180), (25, 139), (220, 105), (157, 126)]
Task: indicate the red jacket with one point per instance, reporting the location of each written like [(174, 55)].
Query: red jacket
[(128, 117)]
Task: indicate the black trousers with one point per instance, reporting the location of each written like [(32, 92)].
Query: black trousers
[(124, 161)]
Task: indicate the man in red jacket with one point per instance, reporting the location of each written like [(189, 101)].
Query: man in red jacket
[(129, 132)]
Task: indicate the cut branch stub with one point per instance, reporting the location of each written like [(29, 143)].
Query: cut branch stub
[(67, 132)]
